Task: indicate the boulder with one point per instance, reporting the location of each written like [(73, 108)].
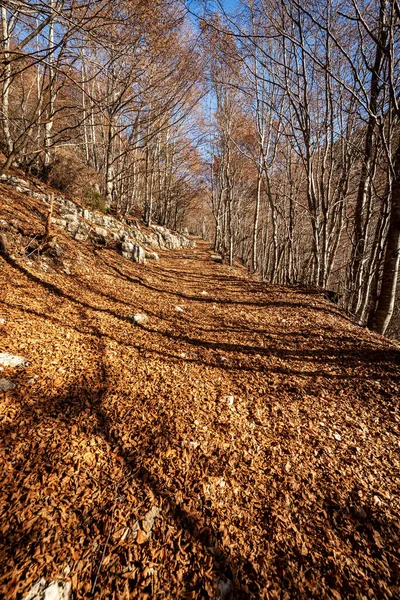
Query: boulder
[(138, 255), (127, 249)]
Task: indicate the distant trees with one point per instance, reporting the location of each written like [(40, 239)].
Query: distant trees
[(320, 83), (104, 84)]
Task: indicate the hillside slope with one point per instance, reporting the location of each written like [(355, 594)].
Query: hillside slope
[(242, 443)]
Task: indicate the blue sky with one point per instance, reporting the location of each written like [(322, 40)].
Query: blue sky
[(229, 4)]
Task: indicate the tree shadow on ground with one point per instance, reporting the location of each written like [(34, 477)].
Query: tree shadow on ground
[(84, 405), (333, 353)]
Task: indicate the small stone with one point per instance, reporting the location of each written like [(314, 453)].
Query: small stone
[(204, 293), (230, 400), (100, 232), (152, 255), (337, 437), (149, 519), (140, 319), (359, 512), (224, 588), (9, 360), (54, 590), (179, 309), (6, 385)]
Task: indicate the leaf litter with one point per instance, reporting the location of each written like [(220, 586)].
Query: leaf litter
[(247, 450)]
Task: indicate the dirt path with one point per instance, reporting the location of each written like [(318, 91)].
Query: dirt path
[(242, 445)]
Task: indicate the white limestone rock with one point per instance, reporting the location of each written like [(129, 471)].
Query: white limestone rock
[(151, 255), (140, 319), (53, 590), (9, 360)]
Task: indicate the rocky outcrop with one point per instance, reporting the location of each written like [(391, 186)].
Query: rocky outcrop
[(134, 242)]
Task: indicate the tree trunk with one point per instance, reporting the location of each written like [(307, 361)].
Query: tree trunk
[(51, 105), (387, 296), (6, 83), (110, 164), (256, 219)]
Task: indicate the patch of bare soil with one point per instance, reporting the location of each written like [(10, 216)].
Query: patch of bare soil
[(243, 443)]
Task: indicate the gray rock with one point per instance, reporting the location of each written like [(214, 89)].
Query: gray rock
[(53, 590), (80, 237), (6, 385), (9, 360), (59, 222), (17, 182), (138, 254), (71, 217), (149, 519), (101, 233), (151, 255), (72, 227), (127, 249), (230, 400), (39, 196), (224, 587)]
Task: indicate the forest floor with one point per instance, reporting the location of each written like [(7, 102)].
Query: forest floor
[(243, 445)]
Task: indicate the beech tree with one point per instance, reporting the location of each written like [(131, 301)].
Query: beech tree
[(322, 84)]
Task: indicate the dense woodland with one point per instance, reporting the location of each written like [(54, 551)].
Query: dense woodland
[(272, 129)]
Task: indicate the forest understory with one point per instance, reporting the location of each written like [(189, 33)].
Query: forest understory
[(242, 443)]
